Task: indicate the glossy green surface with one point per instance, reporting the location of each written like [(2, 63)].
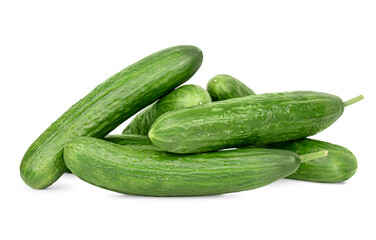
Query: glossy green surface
[(223, 87), (182, 97), (252, 120), (338, 166), (150, 172), (106, 107)]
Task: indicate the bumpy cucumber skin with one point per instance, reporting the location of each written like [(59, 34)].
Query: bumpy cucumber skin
[(131, 170), (252, 120), (223, 87), (182, 97), (106, 107), (338, 166)]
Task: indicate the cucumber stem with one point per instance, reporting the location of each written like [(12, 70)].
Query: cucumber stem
[(353, 100), (310, 156)]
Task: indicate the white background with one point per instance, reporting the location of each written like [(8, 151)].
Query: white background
[(52, 53)]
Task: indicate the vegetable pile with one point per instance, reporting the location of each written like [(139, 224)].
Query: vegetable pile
[(188, 141)]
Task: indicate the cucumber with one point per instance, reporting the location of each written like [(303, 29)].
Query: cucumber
[(338, 166), (182, 97), (251, 120), (133, 140), (129, 139), (106, 107), (146, 171), (223, 87)]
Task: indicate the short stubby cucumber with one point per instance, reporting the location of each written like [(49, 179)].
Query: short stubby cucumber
[(223, 87), (145, 171), (338, 166), (106, 107), (251, 120), (182, 97)]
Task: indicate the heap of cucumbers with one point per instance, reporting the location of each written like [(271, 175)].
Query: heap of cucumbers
[(188, 141)]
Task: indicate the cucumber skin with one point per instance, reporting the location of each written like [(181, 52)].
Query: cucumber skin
[(251, 120), (223, 87), (338, 166), (182, 97), (147, 172), (106, 107), (136, 141), (129, 139)]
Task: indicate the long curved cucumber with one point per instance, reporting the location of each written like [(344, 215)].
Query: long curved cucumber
[(145, 171), (223, 87), (338, 166), (251, 120), (106, 107), (182, 97)]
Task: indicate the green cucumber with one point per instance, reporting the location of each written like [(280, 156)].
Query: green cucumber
[(145, 171), (129, 139), (182, 97), (223, 87), (338, 166), (106, 107), (251, 120), (137, 141)]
